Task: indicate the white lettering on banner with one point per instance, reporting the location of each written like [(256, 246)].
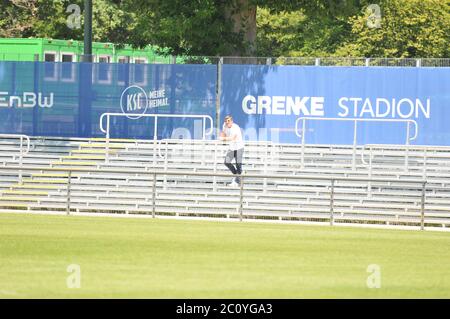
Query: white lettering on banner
[(264, 104), (158, 102), (3, 102), (297, 106), (283, 105), (411, 108), (29, 99), (404, 108), (317, 105), (378, 107), (278, 105), (44, 102), (157, 94), (134, 102), (134, 99), (26, 100), (15, 101)]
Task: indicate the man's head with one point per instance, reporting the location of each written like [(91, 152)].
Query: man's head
[(228, 121)]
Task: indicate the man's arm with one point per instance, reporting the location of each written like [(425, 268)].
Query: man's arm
[(223, 137)]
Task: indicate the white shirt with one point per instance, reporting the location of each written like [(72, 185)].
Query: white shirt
[(234, 130)]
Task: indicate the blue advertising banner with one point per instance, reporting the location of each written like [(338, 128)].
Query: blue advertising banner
[(390, 105), (68, 99)]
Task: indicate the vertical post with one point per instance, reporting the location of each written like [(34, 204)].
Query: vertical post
[(218, 91), (422, 208), (87, 30), (266, 159), (165, 165), (155, 138), (69, 182), (215, 166), (332, 203), (204, 128), (370, 171), (303, 143), (154, 195), (203, 154), (407, 147), (367, 61), (21, 159), (107, 138), (241, 197), (37, 67), (355, 132), (424, 173), (155, 131), (317, 62)]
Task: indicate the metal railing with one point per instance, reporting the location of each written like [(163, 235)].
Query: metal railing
[(406, 153), (332, 61), (243, 177), (21, 152), (301, 61), (266, 148), (132, 116), (302, 134)]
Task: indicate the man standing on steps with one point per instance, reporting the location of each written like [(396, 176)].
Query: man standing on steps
[(231, 132)]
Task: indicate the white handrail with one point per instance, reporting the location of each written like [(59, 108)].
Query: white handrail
[(355, 120), (156, 116), (411, 147), (19, 136), (406, 148), (155, 132), (22, 153)]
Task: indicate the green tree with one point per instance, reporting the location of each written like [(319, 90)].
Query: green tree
[(279, 33), (219, 27), (48, 19), (408, 29), (297, 33), (17, 17)]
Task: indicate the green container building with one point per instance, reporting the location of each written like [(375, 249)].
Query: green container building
[(50, 50)]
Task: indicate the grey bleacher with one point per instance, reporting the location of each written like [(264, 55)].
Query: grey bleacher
[(284, 198)]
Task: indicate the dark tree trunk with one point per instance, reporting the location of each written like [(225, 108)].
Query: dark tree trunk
[(243, 16)]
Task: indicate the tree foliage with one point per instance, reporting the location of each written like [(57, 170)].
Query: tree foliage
[(48, 19), (297, 33), (220, 27), (191, 27), (409, 28)]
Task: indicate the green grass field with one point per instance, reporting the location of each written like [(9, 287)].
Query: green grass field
[(162, 258)]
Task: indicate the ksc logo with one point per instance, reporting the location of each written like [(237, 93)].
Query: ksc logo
[(134, 100)]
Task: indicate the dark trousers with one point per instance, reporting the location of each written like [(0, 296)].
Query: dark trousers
[(228, 162)]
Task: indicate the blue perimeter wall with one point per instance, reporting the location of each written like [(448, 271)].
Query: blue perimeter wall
[(264, 99), (67, 99)]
